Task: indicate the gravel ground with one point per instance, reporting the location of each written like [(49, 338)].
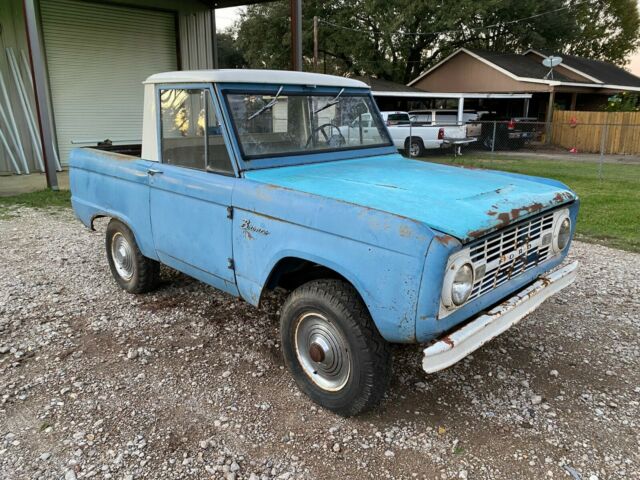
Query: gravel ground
[(188, 382)]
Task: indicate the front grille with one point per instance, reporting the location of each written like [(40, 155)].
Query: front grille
[(510, 252)]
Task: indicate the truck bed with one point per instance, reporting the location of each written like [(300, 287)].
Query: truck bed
[(133, 150), (428, 134), (111, 184)]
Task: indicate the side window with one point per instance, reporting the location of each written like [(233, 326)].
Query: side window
[(191, 134)]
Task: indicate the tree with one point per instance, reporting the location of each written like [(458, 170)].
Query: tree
[(623, 102), (229, 53), (399, 39)]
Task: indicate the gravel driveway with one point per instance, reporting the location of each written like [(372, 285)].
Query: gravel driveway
[(188, 382)]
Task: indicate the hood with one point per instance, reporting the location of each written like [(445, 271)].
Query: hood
[(462, 202)]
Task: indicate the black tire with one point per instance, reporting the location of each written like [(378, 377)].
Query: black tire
[(487, 143), (144, 272), (418, 147), (516, 144), (368, 354)]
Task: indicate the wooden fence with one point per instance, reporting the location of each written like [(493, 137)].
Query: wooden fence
[(615, 132)]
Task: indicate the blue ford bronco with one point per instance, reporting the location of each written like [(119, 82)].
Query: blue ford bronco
[(256, 180)]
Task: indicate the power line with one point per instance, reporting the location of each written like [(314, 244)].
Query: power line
[(443, 32)]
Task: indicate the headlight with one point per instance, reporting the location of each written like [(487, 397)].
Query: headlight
[(462, 284), (458, 283), (561, 232)]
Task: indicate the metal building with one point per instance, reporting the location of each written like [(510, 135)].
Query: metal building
[(71, 70)]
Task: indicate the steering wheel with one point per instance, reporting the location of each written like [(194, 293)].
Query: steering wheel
[(328, 138)]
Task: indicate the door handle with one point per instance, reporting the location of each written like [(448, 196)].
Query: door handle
[(153, 171)]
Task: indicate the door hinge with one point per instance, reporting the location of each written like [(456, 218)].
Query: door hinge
[(229, 212), (231, 264)]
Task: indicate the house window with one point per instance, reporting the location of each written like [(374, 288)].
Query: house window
[(191, 134)]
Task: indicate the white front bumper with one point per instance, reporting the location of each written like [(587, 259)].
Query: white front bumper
[(457, 345)]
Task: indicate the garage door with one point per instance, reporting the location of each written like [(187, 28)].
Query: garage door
[(97, 57)]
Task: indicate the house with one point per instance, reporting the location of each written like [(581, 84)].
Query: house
[(576, 84)]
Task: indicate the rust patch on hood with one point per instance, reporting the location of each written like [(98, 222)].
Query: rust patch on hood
[(506, 218), (562, 197), (534, 207)]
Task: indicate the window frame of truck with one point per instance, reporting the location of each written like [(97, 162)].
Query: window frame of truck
[(287, 93), (294, 159), (221, 120)]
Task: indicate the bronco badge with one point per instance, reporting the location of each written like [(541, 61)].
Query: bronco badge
[(248, 227)]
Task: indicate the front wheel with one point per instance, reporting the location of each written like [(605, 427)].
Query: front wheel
[(333, 349)]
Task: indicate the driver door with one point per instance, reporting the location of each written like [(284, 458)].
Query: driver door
[(191, 189)]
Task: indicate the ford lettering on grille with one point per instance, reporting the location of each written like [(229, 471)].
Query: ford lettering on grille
[(510, 252)]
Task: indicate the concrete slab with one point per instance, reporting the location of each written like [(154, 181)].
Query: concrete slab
[(16, 184)]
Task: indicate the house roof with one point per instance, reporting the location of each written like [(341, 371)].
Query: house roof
[(521, 66), (380, 85), (603, 71), (525, 68)]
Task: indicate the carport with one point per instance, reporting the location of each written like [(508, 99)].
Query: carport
[(395, 96), (73, 69), (461, 99)]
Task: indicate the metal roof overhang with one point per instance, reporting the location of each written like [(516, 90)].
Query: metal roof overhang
[(377, 93), (232, 3)]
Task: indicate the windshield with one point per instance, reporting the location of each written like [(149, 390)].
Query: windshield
[(398, 119), (280, 123)]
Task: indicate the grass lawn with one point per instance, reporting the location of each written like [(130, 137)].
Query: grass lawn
[(609, 208), (39, 199)]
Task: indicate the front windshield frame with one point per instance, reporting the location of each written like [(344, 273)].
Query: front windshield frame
[(292, 91)]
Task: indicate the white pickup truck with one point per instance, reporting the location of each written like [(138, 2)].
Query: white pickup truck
[(416, 139)]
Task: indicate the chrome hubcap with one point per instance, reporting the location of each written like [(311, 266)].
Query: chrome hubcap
[(414, 149), (122, 256), (322, 351)]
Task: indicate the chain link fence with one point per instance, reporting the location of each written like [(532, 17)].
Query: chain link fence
[(506, 135), (561, 137)]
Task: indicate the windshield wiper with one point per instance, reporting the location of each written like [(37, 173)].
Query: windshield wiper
[(330, 103), (268, 105)]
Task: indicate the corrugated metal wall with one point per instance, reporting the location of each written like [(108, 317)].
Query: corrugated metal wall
[(196, 52), (13, 124), (196, 40)]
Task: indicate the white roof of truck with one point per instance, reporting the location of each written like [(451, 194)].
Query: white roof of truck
[(254, 76)]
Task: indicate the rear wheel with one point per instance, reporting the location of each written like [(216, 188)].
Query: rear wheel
[(332, 348), (134, 272), (415, 147), (488, 144)]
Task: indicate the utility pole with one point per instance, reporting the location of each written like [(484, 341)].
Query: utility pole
[(315, 43), (296, 34)]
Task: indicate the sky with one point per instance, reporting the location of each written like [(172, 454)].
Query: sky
[(226, 16), (634, 65)]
